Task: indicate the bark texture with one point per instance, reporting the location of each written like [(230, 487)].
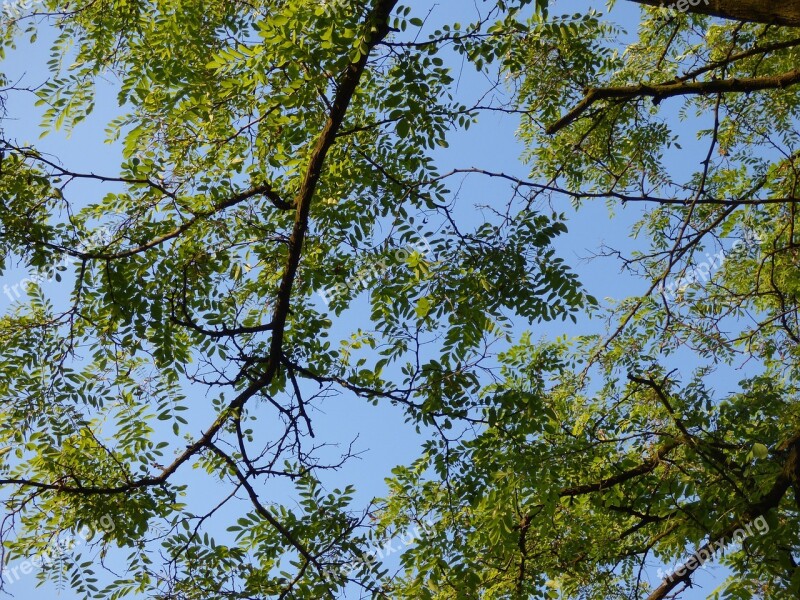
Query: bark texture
[(772, 12)]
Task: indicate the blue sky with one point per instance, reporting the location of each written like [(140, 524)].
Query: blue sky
[(379, 432)]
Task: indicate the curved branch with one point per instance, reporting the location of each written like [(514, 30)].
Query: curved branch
[(269, 517), (378, 22), (642, 468), (667, 90), (609, 194)]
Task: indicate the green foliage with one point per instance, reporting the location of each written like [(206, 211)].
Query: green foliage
[(281, 229)]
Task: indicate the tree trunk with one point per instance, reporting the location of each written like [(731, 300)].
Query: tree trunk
[(771, 12)]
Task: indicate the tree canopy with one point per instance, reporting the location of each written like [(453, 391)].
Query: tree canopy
[(280, 229)]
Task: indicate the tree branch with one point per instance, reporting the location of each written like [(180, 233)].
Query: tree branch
[(642, 468), (790, 475), (770, 12), (667, 90)]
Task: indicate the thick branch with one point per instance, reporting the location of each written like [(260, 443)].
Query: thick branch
[(667, 90), (642, 468), (770, 12), (790, 475), (378, 22)]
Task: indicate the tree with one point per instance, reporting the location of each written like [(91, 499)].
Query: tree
[(600, 455), (278, 163)]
